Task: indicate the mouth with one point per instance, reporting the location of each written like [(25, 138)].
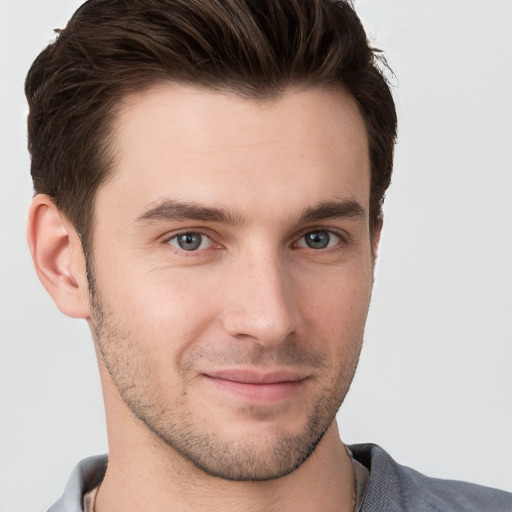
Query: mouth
[(258, 386)]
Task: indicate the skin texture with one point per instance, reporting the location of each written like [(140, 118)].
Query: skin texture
[(223, 366)]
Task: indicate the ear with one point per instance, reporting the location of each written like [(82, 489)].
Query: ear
[(375, 237), (58, 257)]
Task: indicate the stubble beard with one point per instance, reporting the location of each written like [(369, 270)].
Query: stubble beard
[(132, 372)]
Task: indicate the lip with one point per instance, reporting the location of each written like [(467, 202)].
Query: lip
[(258, 386)]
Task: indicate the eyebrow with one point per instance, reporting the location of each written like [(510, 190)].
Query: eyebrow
[(171, 210), (346, 208)]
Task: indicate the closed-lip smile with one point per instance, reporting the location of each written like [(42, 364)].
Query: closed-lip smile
[(258, 385)]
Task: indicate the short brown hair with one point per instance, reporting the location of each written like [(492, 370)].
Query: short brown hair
[(256, 48)]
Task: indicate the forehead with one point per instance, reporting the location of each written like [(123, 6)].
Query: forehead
[(189, 143)]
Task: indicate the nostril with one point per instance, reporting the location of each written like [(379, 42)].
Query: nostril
[(265, 327), (262, 304)]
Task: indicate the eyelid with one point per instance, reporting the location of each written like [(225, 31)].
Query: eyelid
[(341, 235), (197, 231)]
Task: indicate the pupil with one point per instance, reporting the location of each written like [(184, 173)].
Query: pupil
[(189, 241), (317, 240)]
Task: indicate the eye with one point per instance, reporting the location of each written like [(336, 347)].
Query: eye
[(190, 241), (319, 239)]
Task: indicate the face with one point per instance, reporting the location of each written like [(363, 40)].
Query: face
[(232, 265)]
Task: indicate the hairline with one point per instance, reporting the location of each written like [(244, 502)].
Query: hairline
[(108, 154)]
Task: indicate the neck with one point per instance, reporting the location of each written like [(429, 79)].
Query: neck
[(145, 477), (144, 473)]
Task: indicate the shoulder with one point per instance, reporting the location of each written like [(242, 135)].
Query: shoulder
[(397, 488), (86, 475)]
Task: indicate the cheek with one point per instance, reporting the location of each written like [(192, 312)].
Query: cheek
[(336, 312), (163, 312), (341, 296)]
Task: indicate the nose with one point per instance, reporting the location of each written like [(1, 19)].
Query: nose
[(262, 305)]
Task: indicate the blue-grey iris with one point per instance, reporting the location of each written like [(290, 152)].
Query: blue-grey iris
[(317, 239), (189, 241)]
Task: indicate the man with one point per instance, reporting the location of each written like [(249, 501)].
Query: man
[(209, 180)]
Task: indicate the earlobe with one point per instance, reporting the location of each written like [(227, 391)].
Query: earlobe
[(58, 257)]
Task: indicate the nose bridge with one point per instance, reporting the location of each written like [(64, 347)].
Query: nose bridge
[(263, 305)]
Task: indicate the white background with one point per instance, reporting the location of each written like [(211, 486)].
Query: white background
[(434, 386)]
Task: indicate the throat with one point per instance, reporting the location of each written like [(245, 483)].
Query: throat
[(161, 483)]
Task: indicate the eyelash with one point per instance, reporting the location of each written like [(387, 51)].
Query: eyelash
[(184, 252), (188, 253), (329, 232)]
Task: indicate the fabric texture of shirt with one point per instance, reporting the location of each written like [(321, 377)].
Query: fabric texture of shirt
[(391, 488), (362, 478)]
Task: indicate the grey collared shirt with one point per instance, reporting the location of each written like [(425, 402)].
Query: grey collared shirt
[(391, 487)]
